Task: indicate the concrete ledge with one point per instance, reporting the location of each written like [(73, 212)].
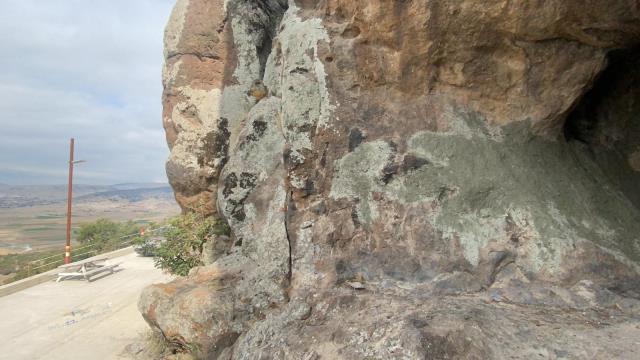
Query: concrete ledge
[(50, 275), (26, 283)]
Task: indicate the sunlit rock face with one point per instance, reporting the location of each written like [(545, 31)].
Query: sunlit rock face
[(406, 179)]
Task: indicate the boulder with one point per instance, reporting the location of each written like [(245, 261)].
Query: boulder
[(406, 179)]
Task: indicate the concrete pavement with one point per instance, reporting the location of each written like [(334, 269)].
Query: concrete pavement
[(74, 319)]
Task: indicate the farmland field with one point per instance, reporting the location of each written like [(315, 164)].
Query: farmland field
[(41, 224)]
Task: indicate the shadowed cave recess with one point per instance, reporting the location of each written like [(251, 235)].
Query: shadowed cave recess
[(606, 121)]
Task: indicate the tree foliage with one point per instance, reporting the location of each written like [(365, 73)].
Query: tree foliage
[(105, 234), (185, 239)]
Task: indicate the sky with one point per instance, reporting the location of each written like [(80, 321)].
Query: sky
[(88, 69)]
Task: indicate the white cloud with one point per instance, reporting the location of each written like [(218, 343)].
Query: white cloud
[(87, 69)]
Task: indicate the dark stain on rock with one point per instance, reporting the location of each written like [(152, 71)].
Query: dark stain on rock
[(248, 180), (445, 193), (238, 213), (409, 163), (323, 157), (309, 188), (356, 137), (389, 171), (216, 144), (230, 182), (306, 127), (354, 217), (344, 271), (369, 113), (412, 162), (418, 323), (438, 347), (286, 155), (259, 128), (299, 70), (191, 112), (351, 32), (291, 207), (393, 146), (319, 209)]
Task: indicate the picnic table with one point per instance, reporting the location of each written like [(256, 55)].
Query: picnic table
[(86, 268)]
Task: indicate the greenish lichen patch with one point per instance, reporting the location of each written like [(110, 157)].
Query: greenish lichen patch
[(482, 186), (359, 174), (297, 74), (546, 181)]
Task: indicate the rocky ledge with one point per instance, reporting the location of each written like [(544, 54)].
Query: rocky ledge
[(411, 179)]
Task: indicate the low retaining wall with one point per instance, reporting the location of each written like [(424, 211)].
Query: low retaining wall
[(52, 274)]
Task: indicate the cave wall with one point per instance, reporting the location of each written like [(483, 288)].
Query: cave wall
[(412, 148), (606, 120)]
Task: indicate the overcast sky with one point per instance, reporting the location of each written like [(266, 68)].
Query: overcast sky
[(88, 69)]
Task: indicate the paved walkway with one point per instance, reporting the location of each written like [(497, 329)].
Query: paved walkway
[(74, 319)]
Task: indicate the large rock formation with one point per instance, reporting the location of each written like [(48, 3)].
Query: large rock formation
[(407, 179)]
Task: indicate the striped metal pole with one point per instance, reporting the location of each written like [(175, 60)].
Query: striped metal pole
[(67, 248)]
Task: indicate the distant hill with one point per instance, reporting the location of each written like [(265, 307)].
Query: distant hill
[(133, 186), (12, 196), (134, 194)]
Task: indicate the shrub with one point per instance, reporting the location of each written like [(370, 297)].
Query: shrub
[(185, 239), (146, 247)]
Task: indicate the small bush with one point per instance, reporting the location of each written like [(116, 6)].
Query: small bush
[(185, 240), (146, 247)]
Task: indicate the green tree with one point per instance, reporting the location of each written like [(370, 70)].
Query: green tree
[(105, 234)]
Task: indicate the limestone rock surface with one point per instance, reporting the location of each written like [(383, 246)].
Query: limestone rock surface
[(473, 166)]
